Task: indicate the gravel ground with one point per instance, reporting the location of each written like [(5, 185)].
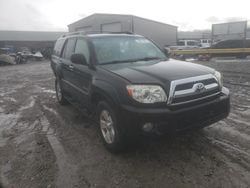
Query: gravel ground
[(43, 144)]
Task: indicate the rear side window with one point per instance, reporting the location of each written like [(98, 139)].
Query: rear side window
[(82, 48), (181, 43), (58, 47), (191, 43), (69, 48)]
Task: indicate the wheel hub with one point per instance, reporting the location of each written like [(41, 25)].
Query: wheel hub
[(107, 127)]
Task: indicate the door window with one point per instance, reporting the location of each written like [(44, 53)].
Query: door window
[(69, 48), (82, 48)]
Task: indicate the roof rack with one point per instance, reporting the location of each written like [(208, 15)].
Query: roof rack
[(95, 32)]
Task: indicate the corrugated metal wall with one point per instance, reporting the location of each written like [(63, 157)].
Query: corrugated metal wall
[(162, 34), (96, 21)]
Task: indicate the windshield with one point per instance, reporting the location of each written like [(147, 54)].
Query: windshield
[(121, 49)]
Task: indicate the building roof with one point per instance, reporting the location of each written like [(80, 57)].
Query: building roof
[(125, 15), (29, 35)]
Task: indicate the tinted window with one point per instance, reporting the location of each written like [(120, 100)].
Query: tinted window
[(181, 43), (69, 48), (82, 48), (191, 43), (58, 47)]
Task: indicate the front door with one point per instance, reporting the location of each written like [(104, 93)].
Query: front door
[(82, 73)]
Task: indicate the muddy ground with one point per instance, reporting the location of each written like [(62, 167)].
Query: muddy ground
[(43, 144)]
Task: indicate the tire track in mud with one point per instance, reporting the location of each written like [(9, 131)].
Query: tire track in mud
[(66, 170), (67, 175), (231, 136)]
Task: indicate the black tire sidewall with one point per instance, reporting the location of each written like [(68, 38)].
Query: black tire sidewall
[(63, 101), (119, 140)]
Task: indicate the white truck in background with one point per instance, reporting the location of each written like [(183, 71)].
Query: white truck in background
[(186, 44)]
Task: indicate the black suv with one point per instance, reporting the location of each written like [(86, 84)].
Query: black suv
[(129, 86)]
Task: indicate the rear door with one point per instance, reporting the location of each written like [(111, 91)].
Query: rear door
[(67, 67), (82, 73)]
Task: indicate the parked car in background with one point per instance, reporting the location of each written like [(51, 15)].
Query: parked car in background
[(231, 44), (205, 43), (130, 87), (186, 44)]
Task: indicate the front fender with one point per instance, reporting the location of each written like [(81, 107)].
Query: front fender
[(106, 90)]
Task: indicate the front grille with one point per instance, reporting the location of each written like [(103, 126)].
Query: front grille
[(195, 96), (190, 84), (193, 89)]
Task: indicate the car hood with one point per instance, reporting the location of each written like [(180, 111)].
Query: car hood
[(155, 71)]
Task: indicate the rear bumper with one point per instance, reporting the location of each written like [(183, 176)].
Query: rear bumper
[(167, 120)]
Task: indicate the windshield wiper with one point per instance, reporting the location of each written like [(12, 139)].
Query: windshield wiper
[(118, 61), (150, 58), (133, 60)]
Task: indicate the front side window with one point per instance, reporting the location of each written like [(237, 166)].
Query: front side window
[(82, 48), (69, 48), (117, 48)]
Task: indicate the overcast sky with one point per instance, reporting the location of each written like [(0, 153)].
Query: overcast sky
[(54, 15)]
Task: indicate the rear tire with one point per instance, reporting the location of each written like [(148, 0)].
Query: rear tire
[(59, 93), (110, 128)]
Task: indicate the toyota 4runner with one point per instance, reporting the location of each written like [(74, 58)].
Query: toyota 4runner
[(130, 86)]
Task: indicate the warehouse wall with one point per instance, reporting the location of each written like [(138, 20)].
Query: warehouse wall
[(96, 22), (162, 34)]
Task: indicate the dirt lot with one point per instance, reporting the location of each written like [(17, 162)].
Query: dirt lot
[(43, 144)]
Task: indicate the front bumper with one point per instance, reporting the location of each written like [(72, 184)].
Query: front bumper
[(167, 119)]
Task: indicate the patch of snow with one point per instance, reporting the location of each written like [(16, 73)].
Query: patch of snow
[(50, 109), (29, 105), (49, 91), (10, 99)]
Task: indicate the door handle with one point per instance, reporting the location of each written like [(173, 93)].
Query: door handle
[(71, 67)]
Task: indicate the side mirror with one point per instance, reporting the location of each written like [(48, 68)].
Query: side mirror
[(166, 51), (78, 59)]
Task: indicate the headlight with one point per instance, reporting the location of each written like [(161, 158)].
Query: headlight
[(218, 77), (147, 93)]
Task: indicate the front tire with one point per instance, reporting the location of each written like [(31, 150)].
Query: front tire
[(110, 128), (59, 93)]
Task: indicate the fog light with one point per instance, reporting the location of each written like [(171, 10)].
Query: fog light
[(147, 127)]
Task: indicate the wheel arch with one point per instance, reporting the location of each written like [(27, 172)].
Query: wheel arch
[(103, 91)]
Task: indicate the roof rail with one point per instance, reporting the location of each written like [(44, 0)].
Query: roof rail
[(95, 32)]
